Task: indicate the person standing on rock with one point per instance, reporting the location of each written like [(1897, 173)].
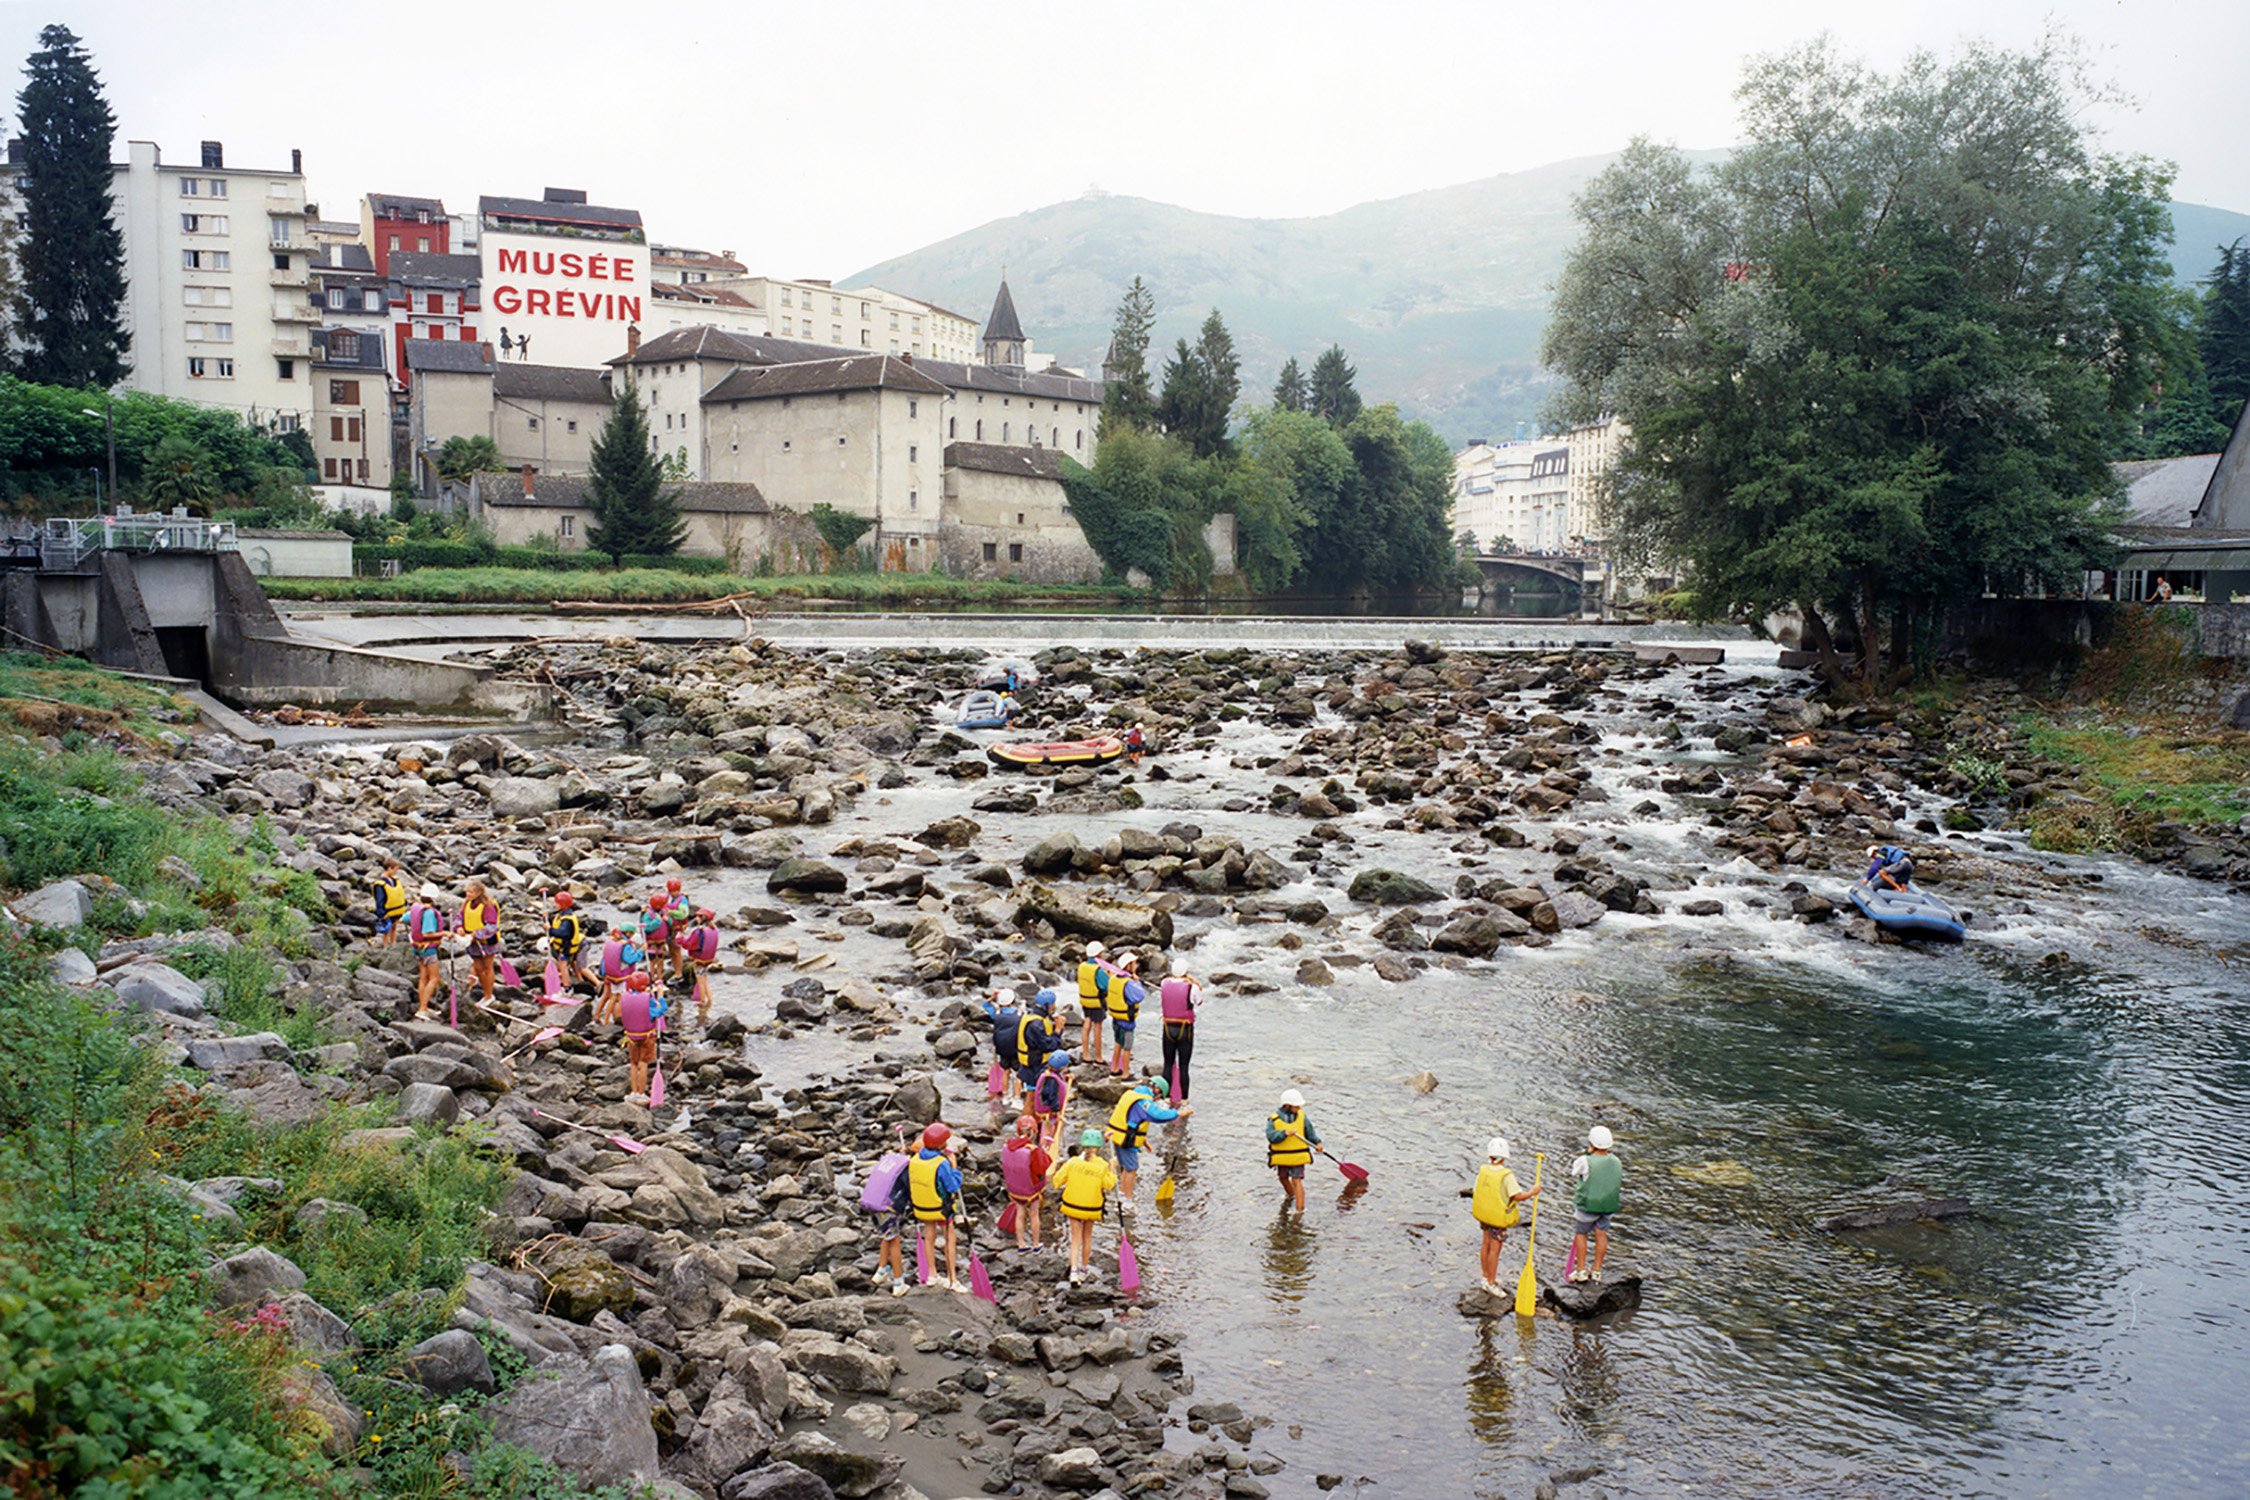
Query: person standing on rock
[(621, 956), (656, 936), (1009, 1021), (700, 949), (677, 913), (1179, 995), (566, 940), (1048, 1095), (480, 925), (641, 1011), (934, 1189), (390, 904), (1093, 984), (1290, 1139), (1024, 1165), (1494, 1201), (1126, 992), (1036, 1040), (425, 930), (1129, 1121), (1085, 1182), (1601, 1178)]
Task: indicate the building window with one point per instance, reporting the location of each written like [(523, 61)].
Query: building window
[(363, 471), (785, 302), (286, 422), (913, 407), (1003, 432), (335, 429), (1015, 552), (285, 369), (191, 187), (531, 424), (566, 525), (952, 428), (1019, 518), (867, 338), (226, 369), (198, 368), (835, 307), (835, 332), (343, 393), (980, 429), (222, 333), (913, 453), (351, 429), (344, 344), (328, 468), (422, 243), (785, 445), (279, 230), (913, 499), (572, 426), (371, 301), (839, 440), (195, 332), (1080, 441), (394, 242), (991, 552)]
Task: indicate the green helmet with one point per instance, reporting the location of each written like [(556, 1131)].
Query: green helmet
[(1157, 1088), (1089, 1137)]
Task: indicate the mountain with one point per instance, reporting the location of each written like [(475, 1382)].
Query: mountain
[(1438, 297)]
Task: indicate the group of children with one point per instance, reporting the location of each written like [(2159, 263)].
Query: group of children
[(1496, 1198)]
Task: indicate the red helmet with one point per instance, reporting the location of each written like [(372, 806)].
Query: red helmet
[(637, 981), (934, 1138), (564, 900), (705, 914), (672, 884), (1026, 1124), (656, 902)]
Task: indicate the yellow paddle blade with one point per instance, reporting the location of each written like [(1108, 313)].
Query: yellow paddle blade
[(1527, 1292), (1164, 1190)]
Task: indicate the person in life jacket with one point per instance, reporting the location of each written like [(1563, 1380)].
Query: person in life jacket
[(1048, 1095), (1129, 1120), (1600, 1177), (1036, 1038), (1493, 1201), (1136, 744), (426, 927), (480, 924), (1093, 984), (1085, 1182), (1007, 1018), (1178, 996), (677, 913), (566, 940), (620, 957), (656, 936), (1888, 865), (699, 950), (890, 1212), (1126, 992), (390, 904), (1024, 1164), (934, 1192), (640, 1009), (1290, 1139)]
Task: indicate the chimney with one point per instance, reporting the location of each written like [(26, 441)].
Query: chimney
[(907, 358), (632, 339), (214, 154), (528, 472), (296, 161), (485, 349)]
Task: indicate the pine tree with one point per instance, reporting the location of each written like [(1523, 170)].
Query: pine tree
[(1222, 384), (72, 273), (1126, 396), (1290, 392), (2223, 338), (1179, 406), (633, 512), (1335, 400)]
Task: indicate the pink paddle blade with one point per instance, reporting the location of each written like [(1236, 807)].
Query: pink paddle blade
[(1353, 1170), (551, 981), (453, 1005), (627, 1144), (922, 1256), (543, 1034), (1570, 1261), (509, 975), (980, 1284), (656, 1086), (996, 1080), (1008, 1219), (1175, 1082), (1128, 1267)]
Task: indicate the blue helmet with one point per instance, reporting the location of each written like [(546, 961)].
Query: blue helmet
[(1044, 1000), (1058, 1059)]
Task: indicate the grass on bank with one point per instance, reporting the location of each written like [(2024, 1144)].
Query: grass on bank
[(64, 695), (664, 586), (2134, 774)]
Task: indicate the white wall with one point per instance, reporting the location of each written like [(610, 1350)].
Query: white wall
[(575, 296)]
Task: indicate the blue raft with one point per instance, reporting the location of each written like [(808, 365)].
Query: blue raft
[(1912, 912), (985, 711)]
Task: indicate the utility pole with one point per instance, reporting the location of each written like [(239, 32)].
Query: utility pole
[(108, 414)]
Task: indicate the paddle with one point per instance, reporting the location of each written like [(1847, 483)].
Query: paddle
[(1128, 1267), (656, 1085), (452, 997), (1008, 1218), (1165, 1190), (552, 982), (980, 1283), (1527, 1285), (621, 1142), (543, 1034), (996, 1081), (1352, 1171), (509, 975), (922, 1255)]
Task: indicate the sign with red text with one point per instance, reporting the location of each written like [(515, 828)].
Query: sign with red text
[(561, 299)]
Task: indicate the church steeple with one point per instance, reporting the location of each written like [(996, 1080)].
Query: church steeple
[(1003, 334)]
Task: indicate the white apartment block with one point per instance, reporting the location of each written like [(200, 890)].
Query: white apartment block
[(218, 296), (1593, 454), (867, 319)]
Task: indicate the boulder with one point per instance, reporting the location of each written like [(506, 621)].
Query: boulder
[(915, 1100), (216, 1053), (327, 1216), (428, 1104), (285, 789), (450, 1363), (730, 1435), (847, 1367), (1391, 888), (1573, 910), (158, 987), (1591, 1299), (950, 833), (798, 873), (314, 1328), (71, 966), (1478, 934), (849, 1474), (1053, 854), (61, 904), (776, 1482), (668, 1191), (1073, 1469), (1928, 1209), (251, 1278), (1075, 910), (582, 1283), (590, 1419), (523, 796), (322, 1410)]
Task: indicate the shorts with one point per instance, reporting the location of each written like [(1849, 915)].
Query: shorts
[(641, 1048), (1587, 1223), (484, 944), (1128, 1158), (384, 925), (1496, 1232), (887, 1226), (1291, 1174), (1123, 1031), (428, 955)]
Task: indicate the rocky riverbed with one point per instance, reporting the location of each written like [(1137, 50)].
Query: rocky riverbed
[(1304, 814)]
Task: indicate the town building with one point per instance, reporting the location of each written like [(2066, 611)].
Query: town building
[(326, 232), (433, 298), (218, 292), (351, 425), (400, 224), (544, 416), (865, 318), (1538, 494), (690, 305), (677, 265), (348, 292), (1006, 516), (1593, 458), (528, 509), (563, 278)]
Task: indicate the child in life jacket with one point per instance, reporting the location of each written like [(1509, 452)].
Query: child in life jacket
[(480, 924), (1085, 1181), (641, 1011), (620, 958), (1126, 992), (699, 949), (656, 935), (1023, 1171), (1048, 1094), (934, 1193), (390, 904), (426, 927), (677, 914), (1093, 985)]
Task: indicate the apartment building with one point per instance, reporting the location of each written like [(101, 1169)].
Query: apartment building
[(674, 304), (351, 426), (349, 293), (867, 319), (677, 265), (218, 270), (433, 298), (400, 224), (544, 417), (1593, 455)]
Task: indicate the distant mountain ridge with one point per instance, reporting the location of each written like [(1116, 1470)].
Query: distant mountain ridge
[(1439, 297)]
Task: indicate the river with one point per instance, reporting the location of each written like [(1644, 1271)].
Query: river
[(2079, 1070)]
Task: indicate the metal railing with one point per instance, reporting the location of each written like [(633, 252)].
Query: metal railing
[(69, 540)]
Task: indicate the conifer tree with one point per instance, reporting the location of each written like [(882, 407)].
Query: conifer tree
[(2224, 337), (1335, 399), (71, 273), (633, 512), (1127, 398), (1222, 384), (1179, 406), (1290, 392)]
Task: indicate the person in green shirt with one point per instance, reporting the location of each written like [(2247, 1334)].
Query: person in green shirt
[(1600, 1176)]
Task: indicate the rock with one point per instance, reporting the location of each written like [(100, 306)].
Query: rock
[(1390, 888), (589, 1419), (428, 1104), (1703, 908), (315, 1329), (1074, 1469), (327, 1216), (782, 1481), (1053, 854), (730, 1435), (331, 1420), (71, 966), (1897, 1213), (950, 833), (1573, 910), (1807, 907), (916, 1100), (450, 1363), (251, 1278), (851, 1475), (286, 789), (847, 1367), (1315, 971), (1591, 1299), (1478, 934), (61, 904), (798, 873), (523, 796), (158, 987), (696, 1286), (1074, 910), (582, 1283), (1424, 1082), (215, 1053)]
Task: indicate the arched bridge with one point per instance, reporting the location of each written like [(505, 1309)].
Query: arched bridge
[(1571, 570)]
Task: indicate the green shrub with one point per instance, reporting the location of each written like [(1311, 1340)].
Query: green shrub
[(50, 829)]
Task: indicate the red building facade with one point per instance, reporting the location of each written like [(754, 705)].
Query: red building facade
[(395, 224)]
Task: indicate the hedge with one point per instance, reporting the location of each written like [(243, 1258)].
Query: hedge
[(412, 555)]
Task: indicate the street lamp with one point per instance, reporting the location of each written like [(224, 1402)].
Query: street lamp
[(97, 487), (108, 414)]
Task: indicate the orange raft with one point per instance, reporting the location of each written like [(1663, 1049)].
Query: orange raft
[(1098, 751)]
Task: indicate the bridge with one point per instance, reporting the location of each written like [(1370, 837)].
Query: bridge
[(1577, 575)]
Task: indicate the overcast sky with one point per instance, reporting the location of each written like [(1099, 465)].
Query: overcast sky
[(814, 139)]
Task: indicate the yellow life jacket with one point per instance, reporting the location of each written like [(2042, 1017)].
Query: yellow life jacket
[(1494, 1200), (477, 916), (922, 1188), (1124, 1131), (390, 899), (1293, 1150), (564, 935), (1023, 1052), (1121, 1008), (1081, 1180), (1086, 986)]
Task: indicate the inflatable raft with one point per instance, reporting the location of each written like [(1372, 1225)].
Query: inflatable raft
[(1009, 672), (1912, 912), (984, 711), (1098, 751)]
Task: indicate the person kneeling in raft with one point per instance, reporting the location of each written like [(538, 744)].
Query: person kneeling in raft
[(1290, 1139), (933, 1185), (1136, 1110), (1494, 1203), (1085, 1181)]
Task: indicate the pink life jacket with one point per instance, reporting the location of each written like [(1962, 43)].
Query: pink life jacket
[(634, 1012), (613, 959), (1015, 1169), (414, 933), (702, 944), (1178, 997), (882, 1183)]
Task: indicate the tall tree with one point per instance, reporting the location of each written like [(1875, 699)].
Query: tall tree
[(73, 258), (1180, 404), (1222, 384), (1335, 399), (8, 285), (1127, 398), (633, 512), (2223, 334), (1290, 393)]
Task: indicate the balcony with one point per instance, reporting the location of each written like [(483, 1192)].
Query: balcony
[(298, 277), (296, 312), (291, 348)]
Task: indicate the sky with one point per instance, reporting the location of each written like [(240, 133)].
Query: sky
[(816, 139)]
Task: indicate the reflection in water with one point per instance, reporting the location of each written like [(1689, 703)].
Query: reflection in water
[(1349, 1198), (1490, 1397), (1288, 1260), (1590, 1385)]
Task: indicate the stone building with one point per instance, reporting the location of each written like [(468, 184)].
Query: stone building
[(1006, 516), (546, 416), (351, 422), (524, 509)]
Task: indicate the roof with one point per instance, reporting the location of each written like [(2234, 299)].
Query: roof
[(417, 265), (855, 372), (1002, 324), (403, 206), (550, 383), (1011, 380), (447, 357), (994, 458), (2225, 502), (344, 258), (2164, 491), (698, 292), (544, 211), (367, 351), (704, 341), (575, 492), (285, 534), (681, 255), (335, 228)]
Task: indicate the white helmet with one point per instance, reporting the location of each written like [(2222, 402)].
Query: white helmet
[(1177, 967), (1095, 950), (1004, 998), (1293, 1100), (1873, 850), (1599, 1138), (430, 892), (1497, 1148)]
